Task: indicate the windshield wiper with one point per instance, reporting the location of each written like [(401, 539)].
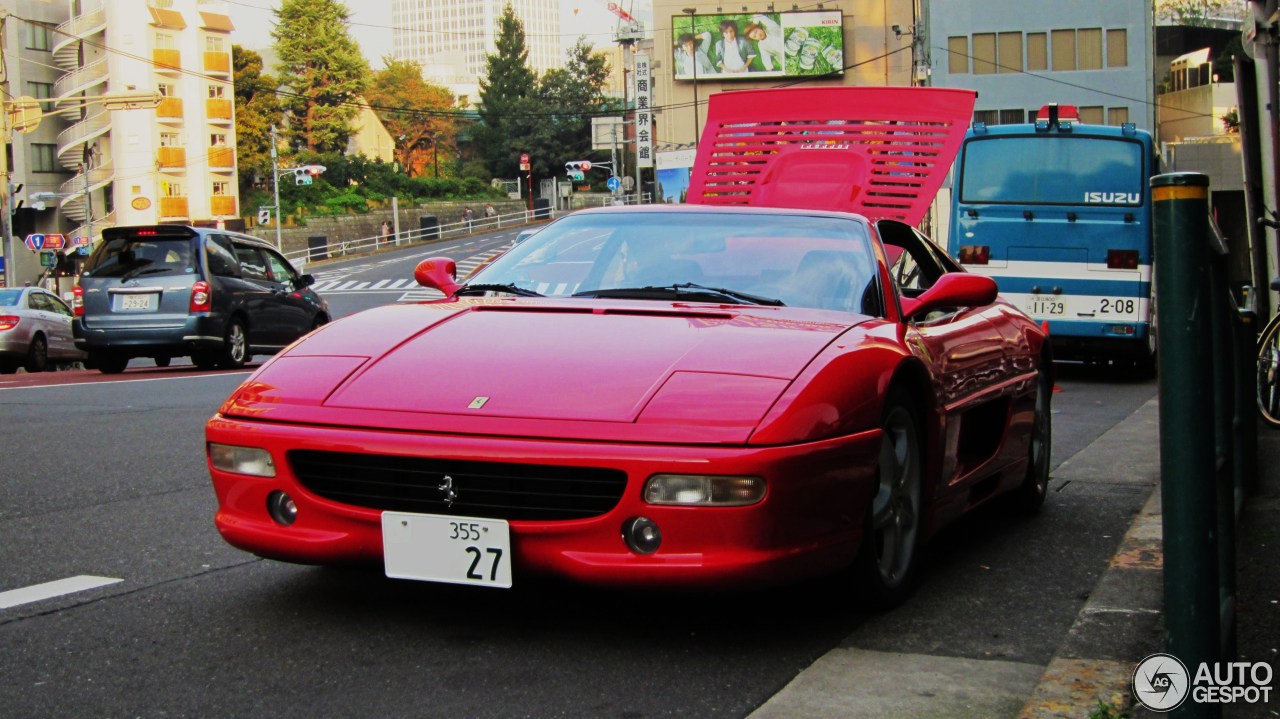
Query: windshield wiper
[(684, 287), (508, 288), (139, 270)]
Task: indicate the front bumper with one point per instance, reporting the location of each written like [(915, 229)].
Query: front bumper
[(809, 523)]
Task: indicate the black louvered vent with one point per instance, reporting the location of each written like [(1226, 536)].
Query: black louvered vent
[(492, 490)]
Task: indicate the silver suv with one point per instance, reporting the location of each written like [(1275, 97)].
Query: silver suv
[(167, 291)]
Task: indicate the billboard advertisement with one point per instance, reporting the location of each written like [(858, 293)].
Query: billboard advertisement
[(755, 45)]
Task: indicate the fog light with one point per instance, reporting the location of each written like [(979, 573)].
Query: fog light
[(282, 508), (642, 535), (242, 460), (702, 489)]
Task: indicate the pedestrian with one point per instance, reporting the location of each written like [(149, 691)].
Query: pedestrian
[(489, 213), (468, 217), (385, 231)]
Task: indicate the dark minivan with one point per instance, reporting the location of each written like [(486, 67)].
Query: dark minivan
[(168, 291)]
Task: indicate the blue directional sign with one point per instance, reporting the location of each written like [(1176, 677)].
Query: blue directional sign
[(614, 183)]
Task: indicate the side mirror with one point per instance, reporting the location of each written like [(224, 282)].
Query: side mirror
[(438, 273), (954, 289), (306, 280)]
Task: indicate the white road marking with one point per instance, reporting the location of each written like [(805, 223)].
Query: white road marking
[(49, 590), (212, 375)]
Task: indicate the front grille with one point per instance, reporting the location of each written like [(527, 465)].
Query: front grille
[(493, 490)]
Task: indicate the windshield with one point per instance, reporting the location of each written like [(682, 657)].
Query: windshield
[(748, 258), (10, 297), (136, 256), (1056, 170)]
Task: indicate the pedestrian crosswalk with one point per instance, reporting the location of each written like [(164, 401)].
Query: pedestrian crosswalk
[(337, 282)]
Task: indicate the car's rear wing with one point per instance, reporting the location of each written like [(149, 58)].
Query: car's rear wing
[(879, 151)]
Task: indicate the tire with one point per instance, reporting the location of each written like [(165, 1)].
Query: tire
[(235, 345), (1031, 493), (885, 568), (205, 360), (1269, 374), (109, 364), (37, 355)]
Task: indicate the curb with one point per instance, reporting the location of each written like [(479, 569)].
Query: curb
[(1118, 626)]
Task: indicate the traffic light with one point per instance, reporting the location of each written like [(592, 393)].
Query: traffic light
[(577, 168), (306, 174)]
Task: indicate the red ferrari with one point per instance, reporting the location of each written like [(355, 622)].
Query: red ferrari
[(778, 380)]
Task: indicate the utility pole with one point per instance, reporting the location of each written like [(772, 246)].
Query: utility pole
[(5, 204), (275, 186)]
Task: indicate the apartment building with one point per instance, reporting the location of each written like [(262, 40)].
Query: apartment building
[(1019, 56), (171, 162)]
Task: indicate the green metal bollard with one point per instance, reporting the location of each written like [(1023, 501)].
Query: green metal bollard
[(1224, 369), (1187, 447)]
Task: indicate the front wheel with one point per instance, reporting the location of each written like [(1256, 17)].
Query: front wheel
[(1268, 366), (1031, 493), (886, 563)]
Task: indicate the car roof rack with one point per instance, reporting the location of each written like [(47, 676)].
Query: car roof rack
[(882, 152)]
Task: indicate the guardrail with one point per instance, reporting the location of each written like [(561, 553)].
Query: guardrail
[(406, 238)]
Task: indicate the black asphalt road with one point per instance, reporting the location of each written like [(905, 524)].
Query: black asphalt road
[(108, 479)]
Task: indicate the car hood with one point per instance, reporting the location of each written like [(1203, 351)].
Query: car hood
[(608, 370)]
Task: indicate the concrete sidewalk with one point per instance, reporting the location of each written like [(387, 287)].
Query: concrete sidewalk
[(1119, 625)]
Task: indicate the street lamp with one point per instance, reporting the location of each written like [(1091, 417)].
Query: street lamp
[(696, 133)]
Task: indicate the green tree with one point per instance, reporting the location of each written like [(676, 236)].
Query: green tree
[(1193, 13), (505, 108), (257, 109), (568, 98), (324, 70), (418, 114)]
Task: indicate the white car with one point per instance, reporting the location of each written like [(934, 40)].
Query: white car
[(35, 330)]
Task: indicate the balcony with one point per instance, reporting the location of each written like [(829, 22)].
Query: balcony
[(217, 62), (170, 108), (171, 157), (169, 61), (220, 205), (222, 158), (173, 208), (218, 110)]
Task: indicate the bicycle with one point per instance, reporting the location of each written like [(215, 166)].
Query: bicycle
[(1269, 368)]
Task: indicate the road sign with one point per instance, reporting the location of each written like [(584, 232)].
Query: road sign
[(48, 259), (614, 183), (54, 241), (35, 242), (525, 166), (264, 217), (524, 158)]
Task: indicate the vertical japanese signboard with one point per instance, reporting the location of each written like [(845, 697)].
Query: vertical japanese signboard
[(644, 112)]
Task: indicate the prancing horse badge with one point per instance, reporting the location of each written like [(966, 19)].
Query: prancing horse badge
[(477, 403)]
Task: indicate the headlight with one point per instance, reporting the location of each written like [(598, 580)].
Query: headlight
[(706, 490), (242, 460)]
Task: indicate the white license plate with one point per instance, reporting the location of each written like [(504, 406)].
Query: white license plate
[(135, 302), (439, 548), (1046, 305)]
